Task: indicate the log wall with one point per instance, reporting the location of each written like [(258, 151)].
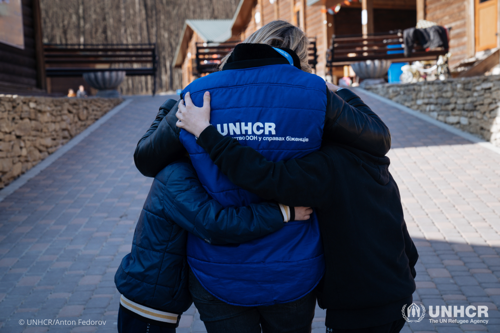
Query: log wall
[(19, 68), (451, 13)]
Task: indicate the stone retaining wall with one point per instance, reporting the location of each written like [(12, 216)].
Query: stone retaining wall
[(470, 104), (31, 128)]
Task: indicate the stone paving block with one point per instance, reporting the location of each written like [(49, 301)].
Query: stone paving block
[(188, 330), (493, 328), (456, 273), (438, 273), (444, 329), (425, 284), (492, 291), (473, 327), (89, 329), (186, 321), (59, 295), (454, 297), (7, 262), (453, 263), (80, 297), (36, 330), (90, 280), (465, 281), (424, 292), (98, 302), (480, 271), (71, 311), (486, 278)]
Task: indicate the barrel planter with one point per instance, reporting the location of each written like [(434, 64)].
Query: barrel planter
[(106, 82), (371, 71)]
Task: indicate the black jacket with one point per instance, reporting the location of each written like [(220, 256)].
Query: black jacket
[(429, 38), (370, 257)]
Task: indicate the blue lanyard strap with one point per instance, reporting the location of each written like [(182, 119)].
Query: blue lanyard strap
[(285, 54)]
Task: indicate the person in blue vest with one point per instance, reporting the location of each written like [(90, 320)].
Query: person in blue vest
[(153, 277), (370, 256), (265, 98)]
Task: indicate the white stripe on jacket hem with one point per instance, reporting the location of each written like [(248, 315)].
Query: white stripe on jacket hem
[(146, 312)]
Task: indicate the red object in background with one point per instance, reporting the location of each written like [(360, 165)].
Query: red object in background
[(332, 10), (335, 9)]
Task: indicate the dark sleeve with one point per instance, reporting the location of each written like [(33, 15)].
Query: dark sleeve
[(297, 182), (351, 122), (160, 146), (185, 202)]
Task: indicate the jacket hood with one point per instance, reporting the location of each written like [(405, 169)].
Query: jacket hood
[(247, 55)]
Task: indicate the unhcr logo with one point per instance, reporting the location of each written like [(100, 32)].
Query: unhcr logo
[(414, 313), (247, 128), (456, 314)]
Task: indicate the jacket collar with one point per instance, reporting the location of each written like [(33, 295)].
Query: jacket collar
[(247, 55)]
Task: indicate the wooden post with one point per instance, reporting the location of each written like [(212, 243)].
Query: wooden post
[(276, 10), (303, 16), (367, 16), (470, 27), (420, 10), (498, 23), (260, 9), (40, 59)]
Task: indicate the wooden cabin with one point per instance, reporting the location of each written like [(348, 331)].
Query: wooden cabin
[(22, 69), (474, 24), (311, 16), (196, 32)]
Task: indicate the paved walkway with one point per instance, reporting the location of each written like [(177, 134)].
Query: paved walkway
[(63, 234)]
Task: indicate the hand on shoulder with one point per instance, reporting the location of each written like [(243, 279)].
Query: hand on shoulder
[(192, 118)]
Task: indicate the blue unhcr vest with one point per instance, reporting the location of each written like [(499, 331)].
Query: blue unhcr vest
[(279, 111)]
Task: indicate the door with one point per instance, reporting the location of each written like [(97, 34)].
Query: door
[(486, 24)]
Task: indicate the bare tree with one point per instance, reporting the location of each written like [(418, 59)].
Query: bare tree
[(131, 21)]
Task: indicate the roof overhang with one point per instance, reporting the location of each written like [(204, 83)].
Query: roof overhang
[(214, 31), (313, 2), (180, 53)]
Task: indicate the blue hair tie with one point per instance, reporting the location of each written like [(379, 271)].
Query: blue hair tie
[(285, 54)]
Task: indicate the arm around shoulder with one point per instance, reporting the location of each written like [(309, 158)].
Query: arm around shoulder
[(297, 182), (186, 203), (351, 122)]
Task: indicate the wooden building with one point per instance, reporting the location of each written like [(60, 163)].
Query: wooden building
[(22, 69), (474, 23), (312, 17), (195, 32)]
